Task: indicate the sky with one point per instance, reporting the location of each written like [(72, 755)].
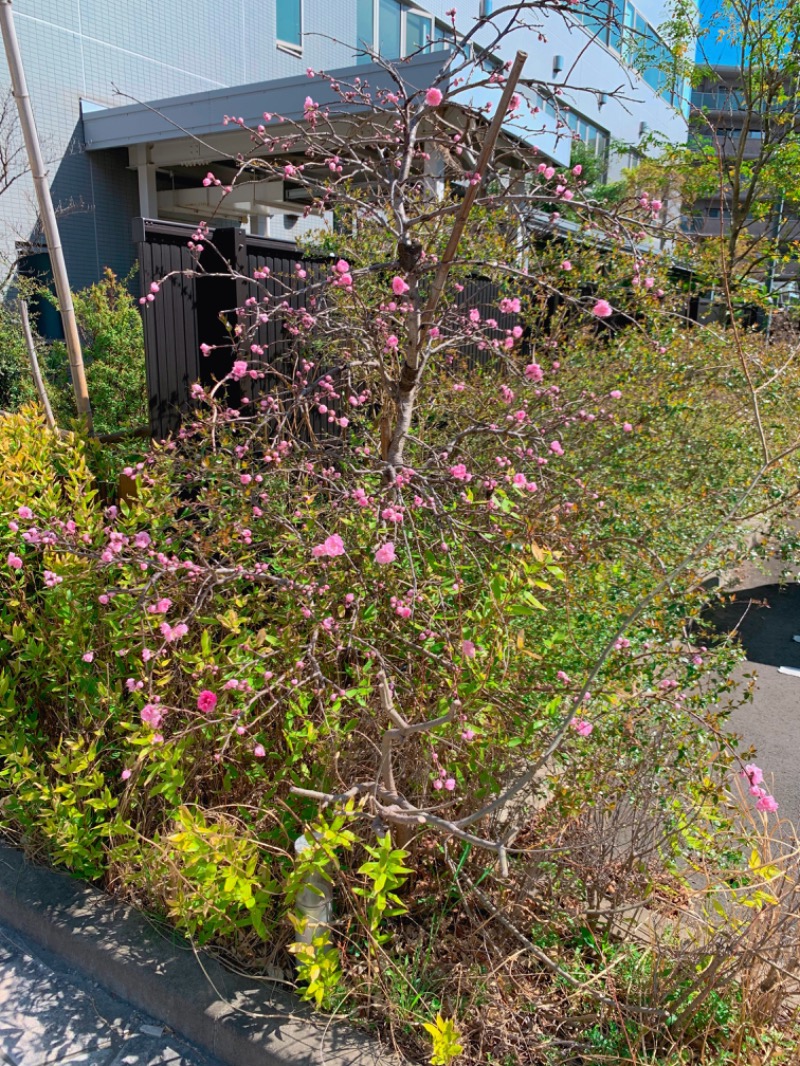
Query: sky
[(708, 49)]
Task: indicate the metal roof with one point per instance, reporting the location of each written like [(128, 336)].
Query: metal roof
[(190, 130), (201, 114)]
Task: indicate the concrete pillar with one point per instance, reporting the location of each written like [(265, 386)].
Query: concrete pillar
[(146, 174)]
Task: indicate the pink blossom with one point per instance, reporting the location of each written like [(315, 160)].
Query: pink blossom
[(173, 633), (206, 701), (160, 607), (259, 751), (555, 448), (582, 727), (433, 97), (239, 369), (627, 427), (152, 715), (577, 170), (460, 472), (88, 656), (331, 547), (615, 394), (468, 735), (392, 341), (768, 804), (141, 540), (602, 309), (399, 286), (508, 306), (25, 512), (533, 372), (14, 561), (566, 265), (125, 774), (386, 553), (753, 773), (468, 649), (450, 784), (103, 598), (51, 579)]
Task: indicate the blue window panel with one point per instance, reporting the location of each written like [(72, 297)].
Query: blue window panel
[(365, 27), (419, 29), (390, 16), (289, 22)]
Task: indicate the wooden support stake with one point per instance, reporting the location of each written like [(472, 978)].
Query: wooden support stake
[(443, 269), (46, 211), (33, 359)]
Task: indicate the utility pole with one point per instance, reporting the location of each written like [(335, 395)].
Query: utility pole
[(46, 211)]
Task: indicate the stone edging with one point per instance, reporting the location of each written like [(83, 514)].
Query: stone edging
[(241, 1021)]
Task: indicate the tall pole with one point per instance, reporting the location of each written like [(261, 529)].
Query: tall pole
[(46, 211)]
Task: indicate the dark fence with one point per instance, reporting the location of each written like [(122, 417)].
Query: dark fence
[(197, 305)]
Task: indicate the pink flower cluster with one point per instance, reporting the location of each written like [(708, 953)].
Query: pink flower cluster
[(765, 803), (331, 547), (582, 727)]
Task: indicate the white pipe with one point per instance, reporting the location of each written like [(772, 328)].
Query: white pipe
[(314, 901)]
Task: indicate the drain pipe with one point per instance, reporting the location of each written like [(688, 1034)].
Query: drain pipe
[(314, 901)]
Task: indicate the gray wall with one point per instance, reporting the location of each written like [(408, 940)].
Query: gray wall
[(148, 49), (152, 49)]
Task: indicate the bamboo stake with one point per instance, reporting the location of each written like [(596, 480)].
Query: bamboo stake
[(470, 196), (46, 211), (35, 369)]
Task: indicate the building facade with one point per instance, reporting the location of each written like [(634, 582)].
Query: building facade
[(84, 57), (747, 131)]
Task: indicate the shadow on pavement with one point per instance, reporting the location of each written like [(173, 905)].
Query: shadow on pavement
[(766, 618)]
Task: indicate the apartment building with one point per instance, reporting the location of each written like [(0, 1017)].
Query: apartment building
[(93, 65), (739, 128)]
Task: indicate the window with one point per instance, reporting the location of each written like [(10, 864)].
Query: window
[(419, 31), (394, 29), (620, 26), (390, 28), (595, 139), (289, 23)]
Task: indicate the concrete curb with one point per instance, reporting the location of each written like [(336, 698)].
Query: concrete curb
[(241, 1021)]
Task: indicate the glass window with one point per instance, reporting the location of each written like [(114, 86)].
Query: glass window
[(615, 28), (419, 29), (365, 26), (390, 16), (594, 14), (289, 22), (443, 37)]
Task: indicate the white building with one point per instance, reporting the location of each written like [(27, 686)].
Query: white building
[(90, 64)]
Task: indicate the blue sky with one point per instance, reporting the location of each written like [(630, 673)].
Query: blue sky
[(709, 50)]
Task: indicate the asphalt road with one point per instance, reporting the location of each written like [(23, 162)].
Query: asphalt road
[(767, 615)]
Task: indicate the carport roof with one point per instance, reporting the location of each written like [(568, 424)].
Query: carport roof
[(201, 114), (195, 122)]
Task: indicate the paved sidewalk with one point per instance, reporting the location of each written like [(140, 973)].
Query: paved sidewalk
[(51, 1015)]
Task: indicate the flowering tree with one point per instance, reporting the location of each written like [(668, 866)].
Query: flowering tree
[(410, 578)]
